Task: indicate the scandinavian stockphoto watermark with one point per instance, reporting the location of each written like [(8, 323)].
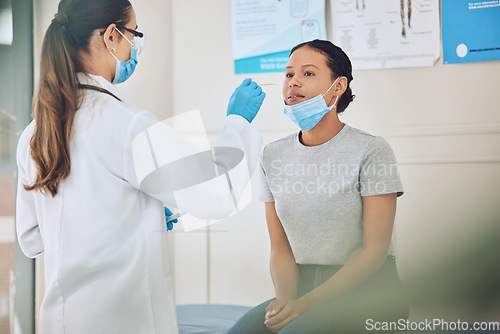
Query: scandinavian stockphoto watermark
[(330, 178), (431, 325), (175, 163)]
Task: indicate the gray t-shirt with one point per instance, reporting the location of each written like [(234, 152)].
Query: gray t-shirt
[(318, 191)]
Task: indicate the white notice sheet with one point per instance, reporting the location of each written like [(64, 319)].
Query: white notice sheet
[(389, 33)]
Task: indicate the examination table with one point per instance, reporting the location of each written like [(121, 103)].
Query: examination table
[(208, 318)]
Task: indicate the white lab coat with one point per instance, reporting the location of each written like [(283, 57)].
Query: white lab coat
[(107, 267)]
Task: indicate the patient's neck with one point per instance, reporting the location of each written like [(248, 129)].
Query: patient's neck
[(327, 128)]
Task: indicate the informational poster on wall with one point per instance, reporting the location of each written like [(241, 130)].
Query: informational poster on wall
[(471, 31), (387, 34), (264, 31)]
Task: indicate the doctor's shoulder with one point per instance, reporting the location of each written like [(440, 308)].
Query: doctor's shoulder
[(125, 116)]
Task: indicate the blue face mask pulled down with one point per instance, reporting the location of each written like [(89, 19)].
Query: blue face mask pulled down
[(308, 113), (125, 69)]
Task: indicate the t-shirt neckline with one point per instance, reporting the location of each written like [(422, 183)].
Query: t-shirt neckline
[(319, 147)]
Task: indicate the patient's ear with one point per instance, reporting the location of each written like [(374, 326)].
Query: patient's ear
[(340, 86)]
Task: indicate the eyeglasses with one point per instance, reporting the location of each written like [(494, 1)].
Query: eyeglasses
[(138, 41), (132, 31)]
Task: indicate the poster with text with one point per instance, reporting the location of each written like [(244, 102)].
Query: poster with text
[(264, 31), (387, 34), (471, 31)]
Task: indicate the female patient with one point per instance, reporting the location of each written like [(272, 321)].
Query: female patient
[(330, 197)]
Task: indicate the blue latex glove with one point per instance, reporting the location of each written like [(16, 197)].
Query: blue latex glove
[(246, 100), (170, 224)]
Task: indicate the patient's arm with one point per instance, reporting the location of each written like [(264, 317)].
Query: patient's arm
[(283, 267), (378, 220)]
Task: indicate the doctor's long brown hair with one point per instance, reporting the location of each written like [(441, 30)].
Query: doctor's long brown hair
[(56, 101)]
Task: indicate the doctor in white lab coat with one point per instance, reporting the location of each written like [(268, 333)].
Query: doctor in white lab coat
[(80, 203)]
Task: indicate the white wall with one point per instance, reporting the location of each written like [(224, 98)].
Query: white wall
[(442, 121)]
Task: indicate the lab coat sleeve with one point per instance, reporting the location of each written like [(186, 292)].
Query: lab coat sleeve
[(170, 168), (238, 133), (27, 228)]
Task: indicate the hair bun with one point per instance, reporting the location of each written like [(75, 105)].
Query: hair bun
[(61, 18)]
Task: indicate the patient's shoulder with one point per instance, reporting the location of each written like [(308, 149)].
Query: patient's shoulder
[(279, 146)]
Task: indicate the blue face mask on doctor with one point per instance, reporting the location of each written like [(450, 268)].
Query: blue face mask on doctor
[(124, 70), (308, 113)]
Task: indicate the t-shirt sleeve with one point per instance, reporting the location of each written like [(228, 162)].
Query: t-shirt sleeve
[(379, 173), (265, 192)]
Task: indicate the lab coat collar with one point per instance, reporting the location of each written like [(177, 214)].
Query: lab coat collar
[(97, 80)]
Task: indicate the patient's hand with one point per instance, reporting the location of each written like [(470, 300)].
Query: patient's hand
[(281, 312), (275, 306)]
